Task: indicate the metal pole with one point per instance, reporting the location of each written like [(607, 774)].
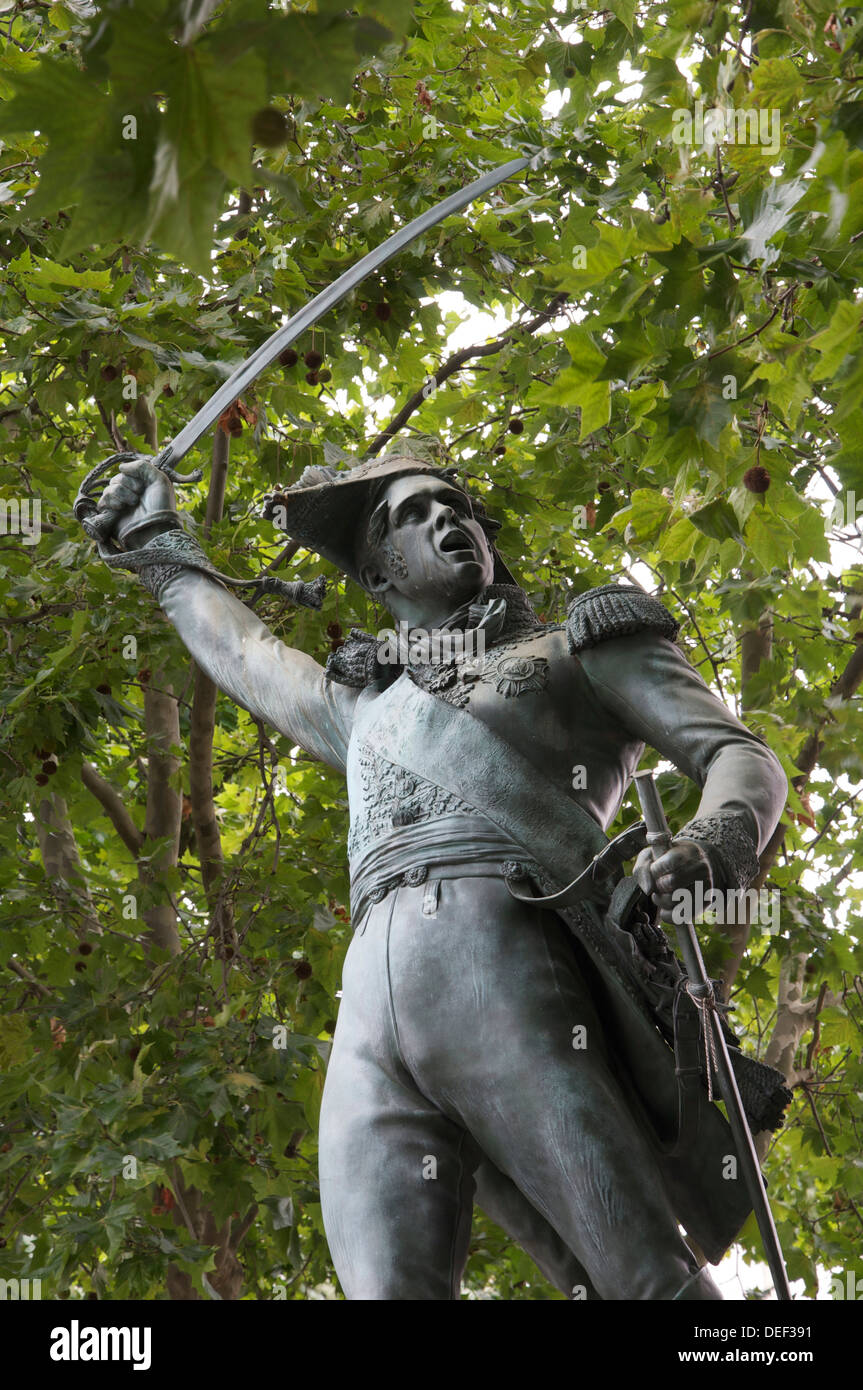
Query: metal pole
[(659, 839)]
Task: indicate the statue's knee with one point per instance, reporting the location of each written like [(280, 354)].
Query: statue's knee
[(668, 1280)]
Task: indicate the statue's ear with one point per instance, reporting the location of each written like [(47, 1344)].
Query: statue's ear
[(374, 582)]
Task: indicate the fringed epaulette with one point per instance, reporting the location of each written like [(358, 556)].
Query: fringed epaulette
[(614, 610), (355, 662)]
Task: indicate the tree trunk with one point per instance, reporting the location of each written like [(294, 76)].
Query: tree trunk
[(164, 807), (226, 1280), (62, 865)]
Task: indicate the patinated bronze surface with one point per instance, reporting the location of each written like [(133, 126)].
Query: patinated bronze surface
[(487, 1048)]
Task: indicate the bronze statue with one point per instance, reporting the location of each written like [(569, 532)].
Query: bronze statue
[(486, 1046)]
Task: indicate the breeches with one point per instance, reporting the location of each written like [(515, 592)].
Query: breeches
[(466, 1030)]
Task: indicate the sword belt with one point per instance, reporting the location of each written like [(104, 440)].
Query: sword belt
[(454, 846)]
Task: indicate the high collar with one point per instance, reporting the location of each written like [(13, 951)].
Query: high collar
[(504, 610)]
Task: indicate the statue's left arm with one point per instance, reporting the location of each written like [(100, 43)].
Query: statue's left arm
[(648, 685)]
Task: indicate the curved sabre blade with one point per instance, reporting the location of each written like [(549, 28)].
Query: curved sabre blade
[(317, 307)]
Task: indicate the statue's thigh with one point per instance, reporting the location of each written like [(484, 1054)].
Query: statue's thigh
[(497, 1025), (396, 1175), (484, 987)]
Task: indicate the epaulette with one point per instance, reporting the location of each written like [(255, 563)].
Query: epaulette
[(614, 610)]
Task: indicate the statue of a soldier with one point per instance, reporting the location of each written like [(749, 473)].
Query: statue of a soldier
[(541, 1061)]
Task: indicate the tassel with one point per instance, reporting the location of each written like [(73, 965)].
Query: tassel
[(295, 591)]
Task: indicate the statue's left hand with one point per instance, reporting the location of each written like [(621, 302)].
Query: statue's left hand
[(680, 867)]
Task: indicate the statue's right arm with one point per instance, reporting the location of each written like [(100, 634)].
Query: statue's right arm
[(274, 682)]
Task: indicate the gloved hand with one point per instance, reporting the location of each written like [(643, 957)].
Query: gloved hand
[(680, 867), (137, 504)]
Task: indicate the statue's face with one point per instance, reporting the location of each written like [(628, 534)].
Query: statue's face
[(433, 549)]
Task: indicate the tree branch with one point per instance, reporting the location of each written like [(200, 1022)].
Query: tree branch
[(732, 221), (218, 481), (454, 364), (755, 332), (756, 646), (843, 688), (24, 974), (114, 808), (811, 1099), (794, 1016), (110, 424), (244, 1227), (285, 554), (144, 422)]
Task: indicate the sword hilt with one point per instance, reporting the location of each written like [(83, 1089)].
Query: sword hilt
[(658, 830), (99, 525), (659, 839)]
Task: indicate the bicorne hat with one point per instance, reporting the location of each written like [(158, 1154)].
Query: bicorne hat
[(324, 507)]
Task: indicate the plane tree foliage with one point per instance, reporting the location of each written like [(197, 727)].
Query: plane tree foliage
[(668, 392)]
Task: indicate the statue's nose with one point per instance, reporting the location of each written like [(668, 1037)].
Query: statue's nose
[(444, 515)]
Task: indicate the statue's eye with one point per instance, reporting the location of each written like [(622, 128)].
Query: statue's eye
[(412, 512)]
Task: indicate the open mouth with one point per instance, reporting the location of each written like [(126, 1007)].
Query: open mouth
[(455, 540)]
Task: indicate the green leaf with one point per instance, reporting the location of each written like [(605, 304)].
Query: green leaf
[(766, 541), (242, 1081), (595, 403), (777, 84), (15, 1043), (718, 521), (772, 212), (625, 11), (838, 339), (46, 272), (646, 513), (678, 542)]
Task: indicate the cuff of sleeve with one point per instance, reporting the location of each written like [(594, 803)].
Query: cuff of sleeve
[(163, 557), (155, 577), (355, 662), (732, 851), (169, 553)]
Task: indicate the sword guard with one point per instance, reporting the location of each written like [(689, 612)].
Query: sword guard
[(594, 883), (86, 504), (163, 462)]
